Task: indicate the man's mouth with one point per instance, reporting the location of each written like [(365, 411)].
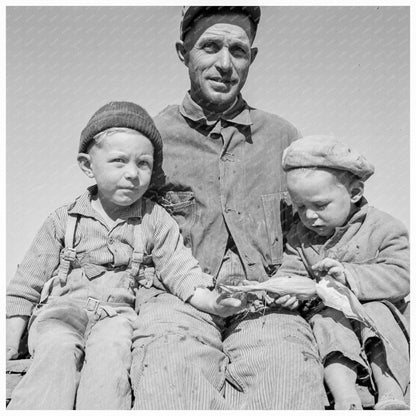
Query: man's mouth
[(224, 81)]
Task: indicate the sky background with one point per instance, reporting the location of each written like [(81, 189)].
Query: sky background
[(328, 70)]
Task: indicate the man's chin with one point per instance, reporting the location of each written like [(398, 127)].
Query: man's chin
[(222, 100)]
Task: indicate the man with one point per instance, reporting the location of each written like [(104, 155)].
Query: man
[(224, 186)]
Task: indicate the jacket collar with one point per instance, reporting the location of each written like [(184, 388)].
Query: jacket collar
[(239, 113)]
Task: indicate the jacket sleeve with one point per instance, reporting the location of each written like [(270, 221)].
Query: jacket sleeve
[(38, 265), (387, 275), (175, 265)]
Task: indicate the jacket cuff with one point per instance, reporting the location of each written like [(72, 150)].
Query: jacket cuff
[(18, 307), (351, 281)]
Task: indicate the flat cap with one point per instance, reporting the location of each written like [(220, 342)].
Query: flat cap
[(190, 13), (326, 152)]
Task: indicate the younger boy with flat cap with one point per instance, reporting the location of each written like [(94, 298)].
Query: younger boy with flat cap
[(363, 248), (78, 281)]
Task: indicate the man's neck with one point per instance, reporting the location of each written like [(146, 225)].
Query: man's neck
[(213, 113)]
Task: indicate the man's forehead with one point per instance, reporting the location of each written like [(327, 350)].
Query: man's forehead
[(234, 23)]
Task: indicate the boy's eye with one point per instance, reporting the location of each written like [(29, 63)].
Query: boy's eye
[(143, 164), (321, 206)]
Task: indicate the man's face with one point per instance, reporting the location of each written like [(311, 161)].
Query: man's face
[(218, 54)]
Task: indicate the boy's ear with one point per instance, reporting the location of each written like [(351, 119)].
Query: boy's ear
[(356, 191), (84, 162)]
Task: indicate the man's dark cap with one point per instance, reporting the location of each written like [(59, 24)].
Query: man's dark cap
[(191, 13)]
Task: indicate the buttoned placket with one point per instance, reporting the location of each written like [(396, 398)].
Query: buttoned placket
[(230, 167)]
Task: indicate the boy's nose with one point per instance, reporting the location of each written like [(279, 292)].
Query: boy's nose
[(131, 172), (310, 214)]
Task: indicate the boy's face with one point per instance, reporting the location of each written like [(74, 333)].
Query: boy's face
[(323, 203), (121, 164)]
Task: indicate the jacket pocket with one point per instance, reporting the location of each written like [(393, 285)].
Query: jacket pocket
[(273, 214), (182, 206)]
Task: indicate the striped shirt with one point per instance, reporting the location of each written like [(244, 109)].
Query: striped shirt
[(99, 247)]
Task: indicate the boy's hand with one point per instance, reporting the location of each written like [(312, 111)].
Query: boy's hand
[(225, 306), (11, 353), (287, 301), (332, 267)]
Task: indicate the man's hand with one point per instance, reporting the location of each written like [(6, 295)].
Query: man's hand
[(332, 267)]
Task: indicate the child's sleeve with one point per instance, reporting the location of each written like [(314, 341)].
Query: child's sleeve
[(38, 265), (175, 265), (387, 275)]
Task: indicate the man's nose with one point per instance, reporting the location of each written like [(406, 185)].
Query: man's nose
[(224, 60)]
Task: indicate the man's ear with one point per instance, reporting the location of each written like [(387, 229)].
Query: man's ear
[(253, 54), (356, 191), (84, 162), (181, 51)]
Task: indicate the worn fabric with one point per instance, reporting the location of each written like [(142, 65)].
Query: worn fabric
[(230, 201), (81, 359), (374, 249), (230, 183), (65, 338), (326, 152), (192, 13), (99, 249), (187, 359)]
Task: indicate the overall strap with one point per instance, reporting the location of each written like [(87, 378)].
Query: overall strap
[(68, 253), (139, 270)]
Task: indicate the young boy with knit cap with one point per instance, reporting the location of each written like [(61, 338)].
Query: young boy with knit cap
[(363, 248), (78, 281)]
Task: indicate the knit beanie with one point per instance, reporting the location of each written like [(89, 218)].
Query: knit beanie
[(129, 115)]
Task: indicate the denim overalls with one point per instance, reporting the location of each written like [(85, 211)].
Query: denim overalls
[(80, 335)]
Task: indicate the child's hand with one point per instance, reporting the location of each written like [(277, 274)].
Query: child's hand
[(11, 353), (15, 327), (212, 302), (287, 301), (226, 306), (332, 267)]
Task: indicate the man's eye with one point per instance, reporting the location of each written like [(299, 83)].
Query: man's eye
[(321, 206), (117, 160), (239, 52), (210, 47)]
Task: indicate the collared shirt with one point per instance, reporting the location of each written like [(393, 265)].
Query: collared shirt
[(99, 247), (224, 182), (373, 248)]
